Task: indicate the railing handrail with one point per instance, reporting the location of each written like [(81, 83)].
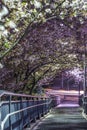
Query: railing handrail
[(20, 95), (10, 114), (65, 94)]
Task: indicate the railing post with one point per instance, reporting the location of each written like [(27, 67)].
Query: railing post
[(37, 109), (42, 106), (28, 112), (0, 115), (19, 99), (21, 107), (34, 116), (45, 106), (10, 125), (50, 105), (85, 105)]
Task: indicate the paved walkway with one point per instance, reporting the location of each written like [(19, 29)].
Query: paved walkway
[(66, 116), (68, 104)]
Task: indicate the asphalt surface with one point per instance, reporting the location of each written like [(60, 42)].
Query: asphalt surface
[(66, 116)]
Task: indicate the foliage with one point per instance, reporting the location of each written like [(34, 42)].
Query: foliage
[(17, 15), (39, 39)]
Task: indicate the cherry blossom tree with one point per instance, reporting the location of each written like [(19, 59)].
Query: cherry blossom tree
[(39, 39)]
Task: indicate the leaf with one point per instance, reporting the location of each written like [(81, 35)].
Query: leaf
[(7, 45)]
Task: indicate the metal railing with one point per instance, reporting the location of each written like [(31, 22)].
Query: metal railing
[(19, 110), (84, 104)]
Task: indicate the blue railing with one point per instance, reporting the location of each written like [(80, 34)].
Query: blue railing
[(84, 104), (19, 110)]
